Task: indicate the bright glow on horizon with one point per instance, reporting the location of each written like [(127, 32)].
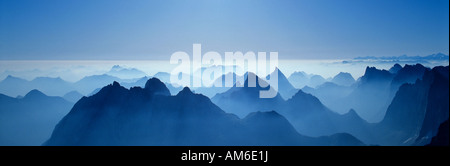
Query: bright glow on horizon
[(75, 70)]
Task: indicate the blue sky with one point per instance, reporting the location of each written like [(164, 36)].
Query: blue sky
[(154, 29)]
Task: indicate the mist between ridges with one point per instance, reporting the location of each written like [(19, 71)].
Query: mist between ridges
[(250, 64)]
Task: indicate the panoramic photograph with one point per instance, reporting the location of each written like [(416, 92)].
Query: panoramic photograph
[(224, 73)]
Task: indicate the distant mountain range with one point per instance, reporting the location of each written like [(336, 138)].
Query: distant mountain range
[(129, 77), (125, 73), (405, 105), (13, 86), (150, 116), (31, 119), (301, 79), (438, 56)]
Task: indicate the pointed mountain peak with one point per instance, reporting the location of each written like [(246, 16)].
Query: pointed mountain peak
[(354, 116), (369, 69), (299, 93), (343, 74), (35, 94), (374, 69), (154, 85), (280, 74), (307, 89), (251, 74), (263, 115), (373, 73), (270, 119), (115, 84), (111, 90), (302, 96), (10, 77), (394, 69), (397, 65), (185, 91), (352, 112), (299, 73), (343, 78), (259, 82), (116, 67), (276, 70)]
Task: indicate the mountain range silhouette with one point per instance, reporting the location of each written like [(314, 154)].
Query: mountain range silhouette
[(31, 119), (401, 106), (150, 116)]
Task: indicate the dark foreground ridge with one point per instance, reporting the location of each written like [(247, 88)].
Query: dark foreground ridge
[(149, 116)]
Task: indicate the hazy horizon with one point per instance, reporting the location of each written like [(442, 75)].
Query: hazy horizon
[(74, 70)]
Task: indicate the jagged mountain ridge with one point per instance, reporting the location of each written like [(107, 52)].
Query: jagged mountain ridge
[(139, 116), (304, 111)]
